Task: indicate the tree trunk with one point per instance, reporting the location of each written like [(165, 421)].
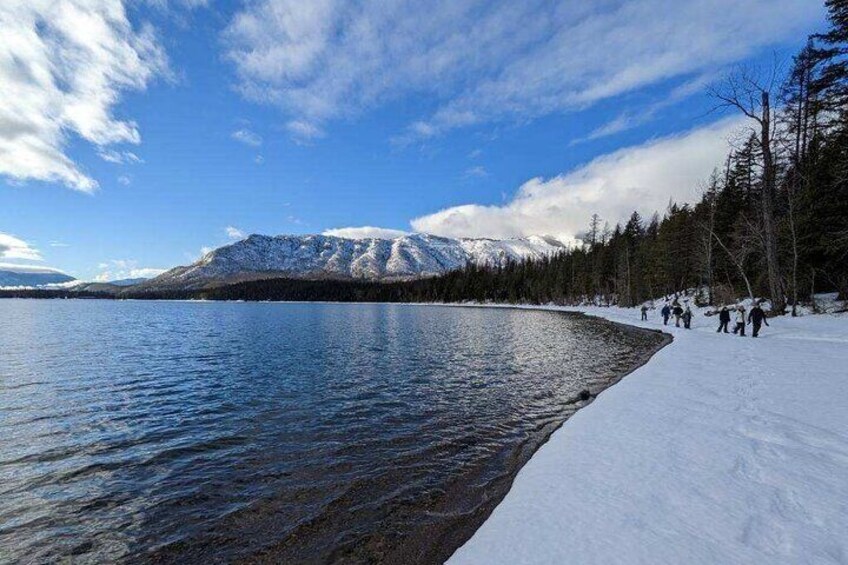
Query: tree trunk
[(769, 225)]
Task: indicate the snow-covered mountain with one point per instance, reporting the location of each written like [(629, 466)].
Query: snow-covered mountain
[(30, 276), (329, 257)]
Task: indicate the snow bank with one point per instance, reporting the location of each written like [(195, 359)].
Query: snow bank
[(720, 450)]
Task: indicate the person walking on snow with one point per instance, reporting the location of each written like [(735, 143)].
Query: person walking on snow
[(757, 317), (687, 318), (644, 312), (723, 319), (678, 311), (740, 321), (666, 312)]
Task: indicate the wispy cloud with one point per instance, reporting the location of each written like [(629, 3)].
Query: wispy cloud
[(640, 178), (304, 131), (18, 268), (487, 61), (63, 69), (118, 157), (12, 247), (630, 119), (476, 172), (247, 137), (365, 232), (118, 269), (234, 233)]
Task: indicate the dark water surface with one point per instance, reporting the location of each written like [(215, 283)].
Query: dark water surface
[(248, 432)]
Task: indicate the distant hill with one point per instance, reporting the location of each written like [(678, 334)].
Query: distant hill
[(30, 275), (128, 282), (320, 257)]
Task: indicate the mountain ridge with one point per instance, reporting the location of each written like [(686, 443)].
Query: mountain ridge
[(337, 258), (31, 276)]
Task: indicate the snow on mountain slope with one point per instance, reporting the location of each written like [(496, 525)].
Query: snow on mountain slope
[(322, 256)]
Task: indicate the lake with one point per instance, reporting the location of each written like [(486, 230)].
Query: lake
[(177, 432)]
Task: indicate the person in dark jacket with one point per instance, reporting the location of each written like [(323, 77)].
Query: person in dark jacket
[(678, 312), (687, 318), (644, 313), (756, 318), (723, 319), (666, 312)]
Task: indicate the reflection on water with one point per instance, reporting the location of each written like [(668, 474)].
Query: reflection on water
[(186, 432)]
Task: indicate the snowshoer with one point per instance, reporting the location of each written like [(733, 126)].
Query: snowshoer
[(723, 319), (644, 313), (666, 312), (740, 321), (687, 318), (756, 318), (678, 312)]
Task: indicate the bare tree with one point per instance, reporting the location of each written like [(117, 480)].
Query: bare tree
[(708, 227), (752, 97), (738, 258)]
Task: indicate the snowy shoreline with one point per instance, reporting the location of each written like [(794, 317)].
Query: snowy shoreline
[(719, 449)]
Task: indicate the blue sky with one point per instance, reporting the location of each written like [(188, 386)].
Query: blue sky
[(135, 134)]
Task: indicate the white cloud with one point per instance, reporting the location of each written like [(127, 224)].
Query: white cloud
[(118, 157), (234, 233), (119, 269), (304, 131), (628, 120), (16, 268), (124, 180), (247, 137), (165, 4), (641, 178), (259, 159), (485, 61), (478, 171), (63, 67), (12, 247), (365, 232)]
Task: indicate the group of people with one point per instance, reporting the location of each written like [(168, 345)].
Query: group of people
[(675, 309), (757, 317)]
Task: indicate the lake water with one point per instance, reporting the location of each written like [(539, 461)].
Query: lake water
[(177, 432)]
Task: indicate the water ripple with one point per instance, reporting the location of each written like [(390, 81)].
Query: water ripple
[(181, 433)]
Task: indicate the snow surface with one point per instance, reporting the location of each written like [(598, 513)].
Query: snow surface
[(720, 449)]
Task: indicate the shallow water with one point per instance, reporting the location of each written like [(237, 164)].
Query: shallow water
[(221, 432)]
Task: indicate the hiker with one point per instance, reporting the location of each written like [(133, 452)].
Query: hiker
[(644, 312), (666, 312), (723, 319), (740, 321), (756, 318), (687, 318), (678, 312)]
